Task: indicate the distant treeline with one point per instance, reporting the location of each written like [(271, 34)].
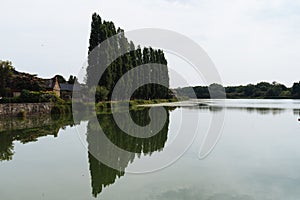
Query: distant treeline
[(262, 90), (102, 30)]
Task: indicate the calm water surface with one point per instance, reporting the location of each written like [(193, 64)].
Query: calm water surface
[(257, 156)]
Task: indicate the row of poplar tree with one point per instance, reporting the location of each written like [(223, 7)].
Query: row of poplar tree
[(99, 58)]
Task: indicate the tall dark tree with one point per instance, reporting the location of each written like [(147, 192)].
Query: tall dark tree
[(95, 32), (6, 72), (102, 30), (59, 78)]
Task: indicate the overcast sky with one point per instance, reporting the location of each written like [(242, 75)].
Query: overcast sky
[(248, 40)]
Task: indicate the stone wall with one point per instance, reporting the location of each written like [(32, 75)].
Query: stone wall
[(13, 109)]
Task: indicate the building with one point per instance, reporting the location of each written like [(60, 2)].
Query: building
[(67, 90), (62, 90), (53, 86)]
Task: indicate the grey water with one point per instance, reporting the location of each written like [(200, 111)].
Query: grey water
[(257, 155)]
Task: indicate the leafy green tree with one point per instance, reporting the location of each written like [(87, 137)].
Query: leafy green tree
[(216, 91), (101, 93), (6, 73), (59, 78), (285, 94), (263, 86), (72, 80), (249, 90), (260, 90), (296, 90)]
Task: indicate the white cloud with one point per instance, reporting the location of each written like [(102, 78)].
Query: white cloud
[(249, 40)]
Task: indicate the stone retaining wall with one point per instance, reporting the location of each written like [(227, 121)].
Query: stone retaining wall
[(13, 109)]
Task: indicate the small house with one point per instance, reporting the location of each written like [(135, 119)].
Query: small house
[(53, 86), (67, 90)]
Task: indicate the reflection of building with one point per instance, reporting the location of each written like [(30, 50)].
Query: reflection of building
[(103, 175), (28, 130)]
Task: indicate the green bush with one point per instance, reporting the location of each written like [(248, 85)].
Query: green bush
[(33, 97), (9, 100), (37, 97), (101, 106), (101, 93)]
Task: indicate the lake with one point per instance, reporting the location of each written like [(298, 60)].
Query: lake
[(255, 155)]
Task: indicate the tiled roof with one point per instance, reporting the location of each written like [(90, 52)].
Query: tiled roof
[(69, 87)]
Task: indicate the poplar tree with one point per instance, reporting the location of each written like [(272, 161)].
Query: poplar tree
[(102, 30)]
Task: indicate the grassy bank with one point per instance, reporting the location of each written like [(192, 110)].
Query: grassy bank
[(105, 106), (63, 108)]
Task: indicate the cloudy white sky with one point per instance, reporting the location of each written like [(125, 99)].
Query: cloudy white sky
[(248, 40)]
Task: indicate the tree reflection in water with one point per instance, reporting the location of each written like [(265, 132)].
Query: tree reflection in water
[(29, 130), (103, 175)]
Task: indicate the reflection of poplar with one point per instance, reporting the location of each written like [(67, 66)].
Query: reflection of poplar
[(103, 175)]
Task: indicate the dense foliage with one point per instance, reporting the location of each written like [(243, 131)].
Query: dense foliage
[(28, 88), (33, 97), (12, 80), (102, 30), (262, 90)]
